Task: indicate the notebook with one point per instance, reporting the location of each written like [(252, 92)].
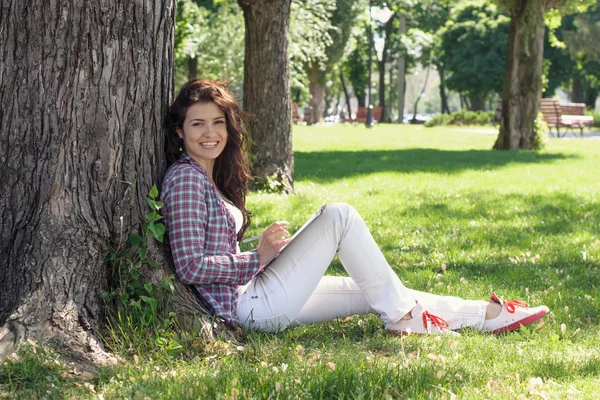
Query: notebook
[(295, 235)]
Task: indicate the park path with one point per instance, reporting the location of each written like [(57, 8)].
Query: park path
[(594, 135)]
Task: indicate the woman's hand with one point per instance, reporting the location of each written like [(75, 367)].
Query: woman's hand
[(271, 241)]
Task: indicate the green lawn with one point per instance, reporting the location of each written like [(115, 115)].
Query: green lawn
[(452, 217)]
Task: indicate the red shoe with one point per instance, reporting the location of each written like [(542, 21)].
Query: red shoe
[(514, 315), (422, 323)]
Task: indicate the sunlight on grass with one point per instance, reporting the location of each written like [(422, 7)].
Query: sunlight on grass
[(452, 217)]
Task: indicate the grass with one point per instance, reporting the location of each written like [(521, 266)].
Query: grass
[(452, 217)]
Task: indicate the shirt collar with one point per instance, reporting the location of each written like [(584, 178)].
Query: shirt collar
[(185, 159)]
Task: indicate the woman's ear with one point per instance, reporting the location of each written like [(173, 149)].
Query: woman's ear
[(179, 133)]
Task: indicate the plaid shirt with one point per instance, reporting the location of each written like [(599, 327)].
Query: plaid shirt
[(202, 236)]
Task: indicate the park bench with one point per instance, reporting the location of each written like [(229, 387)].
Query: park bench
[(361, 115), (570, 116)]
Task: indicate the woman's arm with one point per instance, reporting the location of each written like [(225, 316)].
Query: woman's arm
[(186, 216)]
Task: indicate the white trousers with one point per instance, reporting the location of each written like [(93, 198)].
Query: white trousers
[(293, 289)]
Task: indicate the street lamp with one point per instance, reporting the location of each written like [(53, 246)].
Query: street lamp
[(383, 14)]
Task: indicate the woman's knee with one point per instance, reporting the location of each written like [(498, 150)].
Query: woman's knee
[(340, 211)]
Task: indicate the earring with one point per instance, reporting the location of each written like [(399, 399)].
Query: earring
[(180, 149)]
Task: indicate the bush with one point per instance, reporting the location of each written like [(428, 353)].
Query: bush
[(462, 117), (541, 131), (596, 115)]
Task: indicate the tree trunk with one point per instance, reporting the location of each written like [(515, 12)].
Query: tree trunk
[(401, 71), (317, 94), (81, 145), (83, 91), (414, 118), (591, 94), (346, 94), (267, 89), (443, 95), (477, 102), (192, 63), (577, 95), (522, 80), (389, 25)]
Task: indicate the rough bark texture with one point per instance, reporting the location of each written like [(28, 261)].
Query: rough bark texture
[(443, 95), (401, 71), (389, 26), (346, 95), (522, 81), (266, 88), (317, 94), (84, 86), (477, 102), (192, 64)]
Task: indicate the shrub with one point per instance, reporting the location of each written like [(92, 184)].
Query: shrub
[(596, 115), (462, 117), (541, 130)]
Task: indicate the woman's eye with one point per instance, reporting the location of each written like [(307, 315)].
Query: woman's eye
[(196, 124), (220, 122)]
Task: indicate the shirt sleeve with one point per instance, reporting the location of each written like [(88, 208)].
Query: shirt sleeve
[(186, 218)]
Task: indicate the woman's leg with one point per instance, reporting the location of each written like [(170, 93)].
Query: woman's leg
[(334, 297), (340, 297), (275, 298)]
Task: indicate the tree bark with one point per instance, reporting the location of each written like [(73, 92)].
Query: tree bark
[(317, 94), (389, 25), (84, 86), (346, 94), (477, 102), (401, 71), (192, 64), (443, 95), (577, 95), (414, 118), (522, 80), (267, 90)]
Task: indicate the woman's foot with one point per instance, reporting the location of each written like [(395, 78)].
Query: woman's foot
[(513, 315), (421, 322)]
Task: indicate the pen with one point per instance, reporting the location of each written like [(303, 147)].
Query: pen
[(250, 239)]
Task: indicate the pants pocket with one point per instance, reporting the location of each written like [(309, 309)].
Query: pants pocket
[(271, 324)]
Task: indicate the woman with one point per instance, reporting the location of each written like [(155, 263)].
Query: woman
[(204, 193)]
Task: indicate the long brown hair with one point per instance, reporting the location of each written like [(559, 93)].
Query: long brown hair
[(231, 172)]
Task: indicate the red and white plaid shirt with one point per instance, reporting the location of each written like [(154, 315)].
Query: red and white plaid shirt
[(202, 236)]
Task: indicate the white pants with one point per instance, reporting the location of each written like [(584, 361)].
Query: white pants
[(294, 290)]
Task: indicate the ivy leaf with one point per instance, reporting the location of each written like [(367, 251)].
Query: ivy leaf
[(148, 286), (153, 192), (134, 239)]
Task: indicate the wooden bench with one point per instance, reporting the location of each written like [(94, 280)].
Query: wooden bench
[(570, 116), (361, 115)]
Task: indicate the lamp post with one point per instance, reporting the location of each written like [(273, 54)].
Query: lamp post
[(369, 122)]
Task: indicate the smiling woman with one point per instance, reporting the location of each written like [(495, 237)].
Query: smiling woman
[(270, 288)]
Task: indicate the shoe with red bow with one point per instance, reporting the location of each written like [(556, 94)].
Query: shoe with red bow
[(514, 315), (421, 323)]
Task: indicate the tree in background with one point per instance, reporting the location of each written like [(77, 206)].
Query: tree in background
[(581, 35), (523, 77), (309, 37), (267, 89), (474, 50), (209, 41), (356, 66), (342, 20)]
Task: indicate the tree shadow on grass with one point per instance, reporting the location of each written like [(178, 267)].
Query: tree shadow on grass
[(327, 166)]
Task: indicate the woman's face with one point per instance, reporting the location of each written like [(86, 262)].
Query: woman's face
[(204, 133)]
